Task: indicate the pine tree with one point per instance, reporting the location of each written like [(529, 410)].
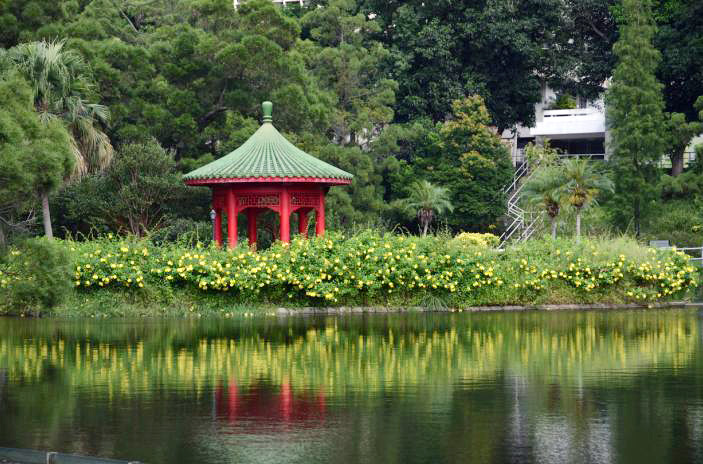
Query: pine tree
[(635, 114)]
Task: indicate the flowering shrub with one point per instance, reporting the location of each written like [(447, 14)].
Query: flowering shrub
[(372, 269), (474, 239)]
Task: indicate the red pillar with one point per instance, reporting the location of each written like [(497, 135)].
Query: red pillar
[(320, 220), (218, 226), (303, 222), (251, 225), (231, 219), (285, 216)]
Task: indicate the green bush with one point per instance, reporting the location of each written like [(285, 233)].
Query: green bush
[(373, 269), (476, 239), (34, 276), (679, 222)]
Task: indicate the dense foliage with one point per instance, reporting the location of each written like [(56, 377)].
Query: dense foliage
[(393, 92), (39, 273), (381, 270)]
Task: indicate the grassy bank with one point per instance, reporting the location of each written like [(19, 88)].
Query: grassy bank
[(124, 277)]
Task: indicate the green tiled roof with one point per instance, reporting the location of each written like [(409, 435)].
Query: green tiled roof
[(267, 154)]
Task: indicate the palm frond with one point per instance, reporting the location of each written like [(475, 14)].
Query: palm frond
[(60, 82)]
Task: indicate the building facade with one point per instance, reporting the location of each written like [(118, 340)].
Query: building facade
[(578, 132)]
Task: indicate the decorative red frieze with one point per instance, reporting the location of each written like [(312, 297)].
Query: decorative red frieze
[(258, 200), (311, 199)]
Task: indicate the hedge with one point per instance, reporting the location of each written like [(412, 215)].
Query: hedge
[(374, 269)]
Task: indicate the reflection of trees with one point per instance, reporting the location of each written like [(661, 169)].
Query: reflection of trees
[(414, 388), (360, 356)]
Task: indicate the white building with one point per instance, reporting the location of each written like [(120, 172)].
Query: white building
[(578, 132)]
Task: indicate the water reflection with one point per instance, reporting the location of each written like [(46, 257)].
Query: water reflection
[(597, 387), (233, 404)]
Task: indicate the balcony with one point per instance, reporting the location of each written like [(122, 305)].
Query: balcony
[(576, 123)]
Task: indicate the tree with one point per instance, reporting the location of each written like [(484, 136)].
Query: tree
[(60, 85), (142, 179), (635, 114), (469, 159), (34, 156), (427, 200), (545, 188), (680, 39), (582, 184), (502, 50), (349, 62), (679, 134)]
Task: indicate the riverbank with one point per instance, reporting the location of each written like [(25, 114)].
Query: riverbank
[(117, 277)]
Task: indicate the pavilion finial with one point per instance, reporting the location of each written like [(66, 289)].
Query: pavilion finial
[(267, 108)]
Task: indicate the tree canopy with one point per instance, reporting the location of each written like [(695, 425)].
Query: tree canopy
[(392, 91)]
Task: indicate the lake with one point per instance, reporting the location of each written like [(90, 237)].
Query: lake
[(547, 387)]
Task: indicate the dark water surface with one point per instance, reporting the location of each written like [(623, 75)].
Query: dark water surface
[(595, 387)]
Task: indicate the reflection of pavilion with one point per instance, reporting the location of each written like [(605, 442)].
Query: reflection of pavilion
[(233, 403)]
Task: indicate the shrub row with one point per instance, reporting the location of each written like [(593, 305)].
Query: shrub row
[(373, 269)]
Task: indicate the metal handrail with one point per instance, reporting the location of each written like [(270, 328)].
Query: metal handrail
[(693, 258), (52, 457), (519, 173)]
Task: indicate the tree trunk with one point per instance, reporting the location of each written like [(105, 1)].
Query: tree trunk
[(554, 227), (578, 225), (46, 214), (425, 226), (676, 163), (637, 217)]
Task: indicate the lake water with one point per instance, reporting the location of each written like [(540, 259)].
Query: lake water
[(593, 387)]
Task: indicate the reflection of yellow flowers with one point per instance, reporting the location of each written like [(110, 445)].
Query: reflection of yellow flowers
[(424, 355)]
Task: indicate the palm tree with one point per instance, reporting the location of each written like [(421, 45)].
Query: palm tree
[(545, 188), (582, 186), (427, 200), (59, 81)]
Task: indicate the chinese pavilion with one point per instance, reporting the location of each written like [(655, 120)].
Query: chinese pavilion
[(267, 172)]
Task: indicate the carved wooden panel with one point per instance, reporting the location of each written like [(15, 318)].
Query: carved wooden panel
[(259, 200), (311, 199)]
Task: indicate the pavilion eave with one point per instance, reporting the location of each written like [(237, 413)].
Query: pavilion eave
[(282, 180)]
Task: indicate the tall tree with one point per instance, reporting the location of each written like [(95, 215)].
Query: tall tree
[(347, 60), (635, 114), (34, 156), (60, 86)]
